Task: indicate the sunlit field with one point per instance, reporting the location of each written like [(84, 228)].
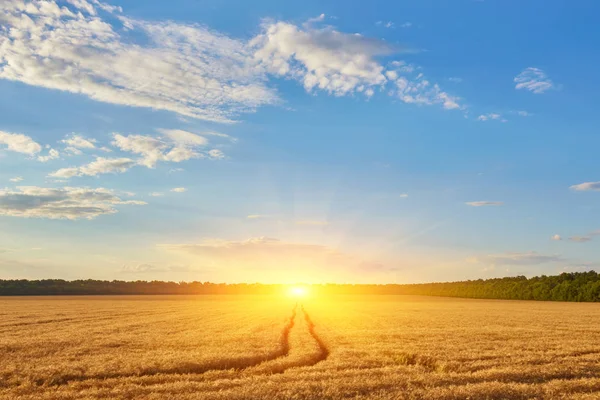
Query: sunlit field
[(297, 346)]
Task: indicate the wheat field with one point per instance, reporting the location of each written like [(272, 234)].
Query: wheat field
[(278, 347)]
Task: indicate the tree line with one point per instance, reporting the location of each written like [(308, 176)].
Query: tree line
[(577, 286)]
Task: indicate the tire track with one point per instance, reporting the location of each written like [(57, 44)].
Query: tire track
[(323, 349), (238, 363)]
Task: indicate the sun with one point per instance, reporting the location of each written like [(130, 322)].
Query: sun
[(298, 291)]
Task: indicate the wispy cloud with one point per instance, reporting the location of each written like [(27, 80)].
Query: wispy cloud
[(100, 166), (100, 52), (79, 142), (527, 258), (52, 155), (523, 113), (488, 117), (585, 238), (179, 190), (388, 24), (587, 187), (533, 79), (556, 237), (580, 239), (484, 203), (182, 68), (60, 203)]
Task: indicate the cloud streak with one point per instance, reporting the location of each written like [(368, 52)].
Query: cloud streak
[(60, 203), (527, 258), (484, 203), (533, 79), (586, 187)]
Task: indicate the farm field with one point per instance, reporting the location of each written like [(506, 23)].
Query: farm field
[(277, 347)]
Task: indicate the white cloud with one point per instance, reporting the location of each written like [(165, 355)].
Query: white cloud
[(490, 116), (524, 113), (151, 149), (73, 150), (455, 79), (403, 195), (59, 203), (388, 24), (179, 190), (186, 69), (156, 194), (336, 62), (79, 142), (586, 187), (100, 166), (484, 203), (216, 154), (199, 137), (556, 237), (18, 142), (176, 146), (406, 25), (184, 137), (52, 155), (16, 179), (420, 91), (528, 258), (92, 49), (533, 79)]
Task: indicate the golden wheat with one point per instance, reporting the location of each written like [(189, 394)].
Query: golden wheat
[(253, 347)]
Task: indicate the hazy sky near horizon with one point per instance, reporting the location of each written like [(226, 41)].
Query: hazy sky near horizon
[(270, 141)]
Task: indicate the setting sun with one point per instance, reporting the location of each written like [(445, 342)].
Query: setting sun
[(298, 291)]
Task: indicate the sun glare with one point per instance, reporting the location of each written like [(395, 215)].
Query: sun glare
[(298, 291)]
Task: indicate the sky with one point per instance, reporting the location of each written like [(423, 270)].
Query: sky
[(314, 141)]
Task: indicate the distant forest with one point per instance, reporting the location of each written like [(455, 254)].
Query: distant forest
[(578, 286)]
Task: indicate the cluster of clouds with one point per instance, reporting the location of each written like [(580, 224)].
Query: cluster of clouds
[(84, 203), (60, 203), (94, 49), (173, 145), (23, 144), (88, 48)]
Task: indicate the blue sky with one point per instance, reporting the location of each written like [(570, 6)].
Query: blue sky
[(314, 141)]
